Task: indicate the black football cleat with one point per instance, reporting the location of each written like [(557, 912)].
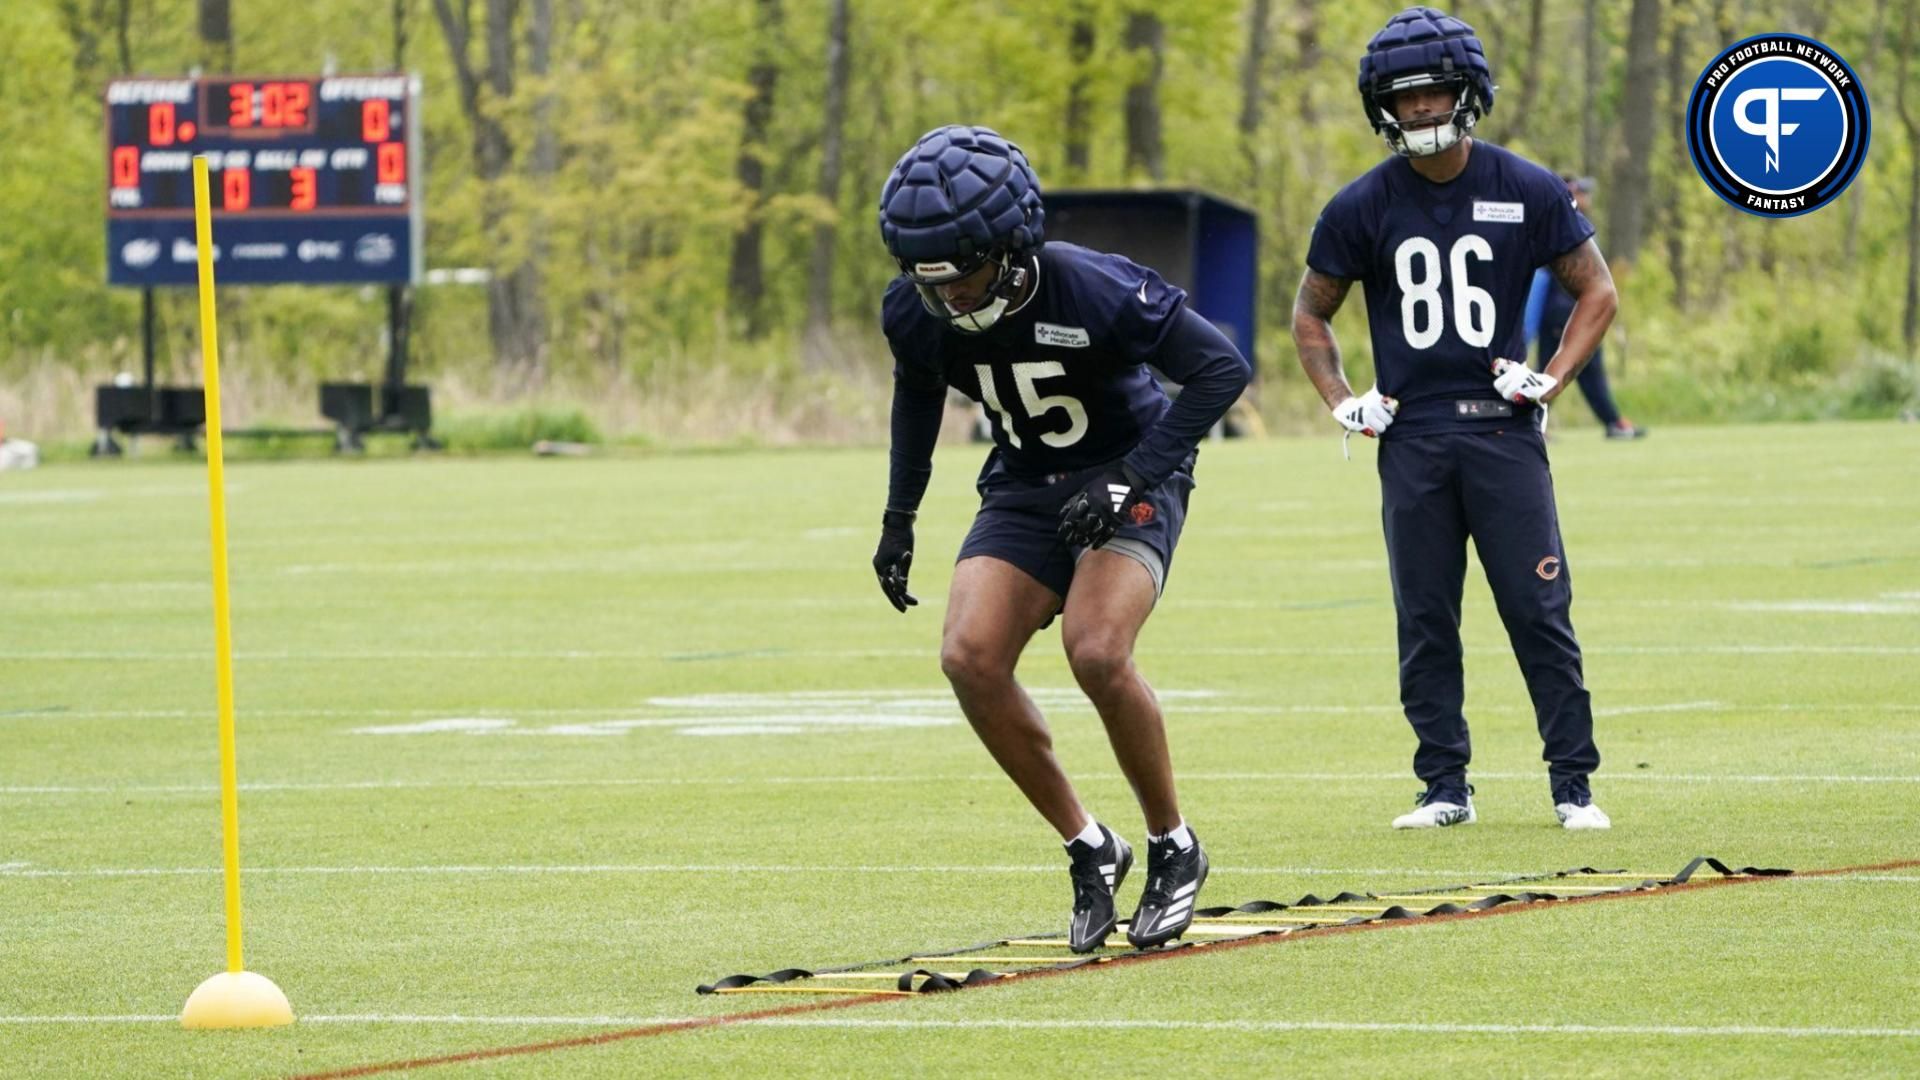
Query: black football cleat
[(1174, 878), (1097, 874)]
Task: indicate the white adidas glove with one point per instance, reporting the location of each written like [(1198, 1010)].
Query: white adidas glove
[(1521, 384), (1369, 414)]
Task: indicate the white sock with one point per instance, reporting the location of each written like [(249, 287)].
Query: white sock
[(1182, 836), (1090, 836)]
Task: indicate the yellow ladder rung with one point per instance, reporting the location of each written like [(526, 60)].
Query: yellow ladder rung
[(1062, 943), (1615, 877), (1307, 920), (1545, 886), (895, 975), (1307, 909), (812, 990), (1011, 959), (1419, 899)]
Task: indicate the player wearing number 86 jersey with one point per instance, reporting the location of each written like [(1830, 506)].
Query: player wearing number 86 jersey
[(1083, 495), (1444, 238)]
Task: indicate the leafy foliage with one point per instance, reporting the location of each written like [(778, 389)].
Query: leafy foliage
[(633, 227)]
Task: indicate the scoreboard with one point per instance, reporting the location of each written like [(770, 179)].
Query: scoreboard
[(313, 179)]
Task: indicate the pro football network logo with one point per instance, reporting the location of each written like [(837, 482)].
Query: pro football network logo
[(1778, 125)]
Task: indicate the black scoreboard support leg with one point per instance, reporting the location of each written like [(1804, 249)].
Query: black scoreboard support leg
[(399, 318), (409, 408), (147, 319), (123, 411)]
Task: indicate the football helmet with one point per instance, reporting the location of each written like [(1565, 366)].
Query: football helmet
[(1420, 47), (963, 197)]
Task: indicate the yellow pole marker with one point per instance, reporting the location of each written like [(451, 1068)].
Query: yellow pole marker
[(1599, 877), (235, 998)]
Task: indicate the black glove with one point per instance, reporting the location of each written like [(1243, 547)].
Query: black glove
[(894, 557), (1095, 512)]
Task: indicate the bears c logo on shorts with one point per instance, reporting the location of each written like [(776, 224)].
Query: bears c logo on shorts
[(1142, 513), (1778, 125)]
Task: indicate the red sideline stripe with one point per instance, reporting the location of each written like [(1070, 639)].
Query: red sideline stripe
[(584, 1040), (793, 1010)]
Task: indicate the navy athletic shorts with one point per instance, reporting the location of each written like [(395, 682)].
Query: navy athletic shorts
[(1019, 521)]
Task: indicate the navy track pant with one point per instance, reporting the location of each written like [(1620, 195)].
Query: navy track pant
[(1494, 486)]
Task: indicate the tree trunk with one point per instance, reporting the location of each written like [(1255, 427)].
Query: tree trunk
[(216, 34), (1857, 198), (1307, 41), (1673, 222), (1637, 117), (515, 317), (123, 35), (826, 233), (1911, 315), (1080, 54), (746, 276), (1589, 90), (1727, 19), (1147, 43), (1522, 114), (1253, 67), (531, 275)]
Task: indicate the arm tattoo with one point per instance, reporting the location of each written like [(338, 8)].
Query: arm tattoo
[(1320, 295), (1581, 269), (1319, 298)]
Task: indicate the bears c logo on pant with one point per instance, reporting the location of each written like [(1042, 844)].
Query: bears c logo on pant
[(1549, 568)]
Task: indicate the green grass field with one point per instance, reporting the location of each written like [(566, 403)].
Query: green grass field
[(528, 749)]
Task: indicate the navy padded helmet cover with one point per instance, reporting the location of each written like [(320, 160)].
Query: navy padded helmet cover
[(959, 193), (1423, 40)]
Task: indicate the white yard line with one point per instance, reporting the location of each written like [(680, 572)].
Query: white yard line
[(1064, 702), (969, 778), (779, 652), (702, 868), (1680, 1031), (1259, 1026), (380, 1018)]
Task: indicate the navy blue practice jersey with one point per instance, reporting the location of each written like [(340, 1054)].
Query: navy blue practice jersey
[(1064, 378), (1446, 269)]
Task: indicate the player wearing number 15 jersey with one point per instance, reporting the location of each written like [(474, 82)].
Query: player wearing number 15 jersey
[(1082, 497), (1444, 238)]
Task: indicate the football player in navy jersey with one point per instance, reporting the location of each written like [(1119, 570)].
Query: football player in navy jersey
[(1082, 497), (1444, 237)]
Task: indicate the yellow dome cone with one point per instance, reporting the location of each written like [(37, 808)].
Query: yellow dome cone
[(236, 999)]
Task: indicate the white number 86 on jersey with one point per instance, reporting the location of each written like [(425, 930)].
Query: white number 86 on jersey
[(1416, 265)]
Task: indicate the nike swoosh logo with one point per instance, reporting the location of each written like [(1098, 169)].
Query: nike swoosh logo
[(1143, 292)]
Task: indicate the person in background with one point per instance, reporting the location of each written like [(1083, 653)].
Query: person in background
[(1548, 306)]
